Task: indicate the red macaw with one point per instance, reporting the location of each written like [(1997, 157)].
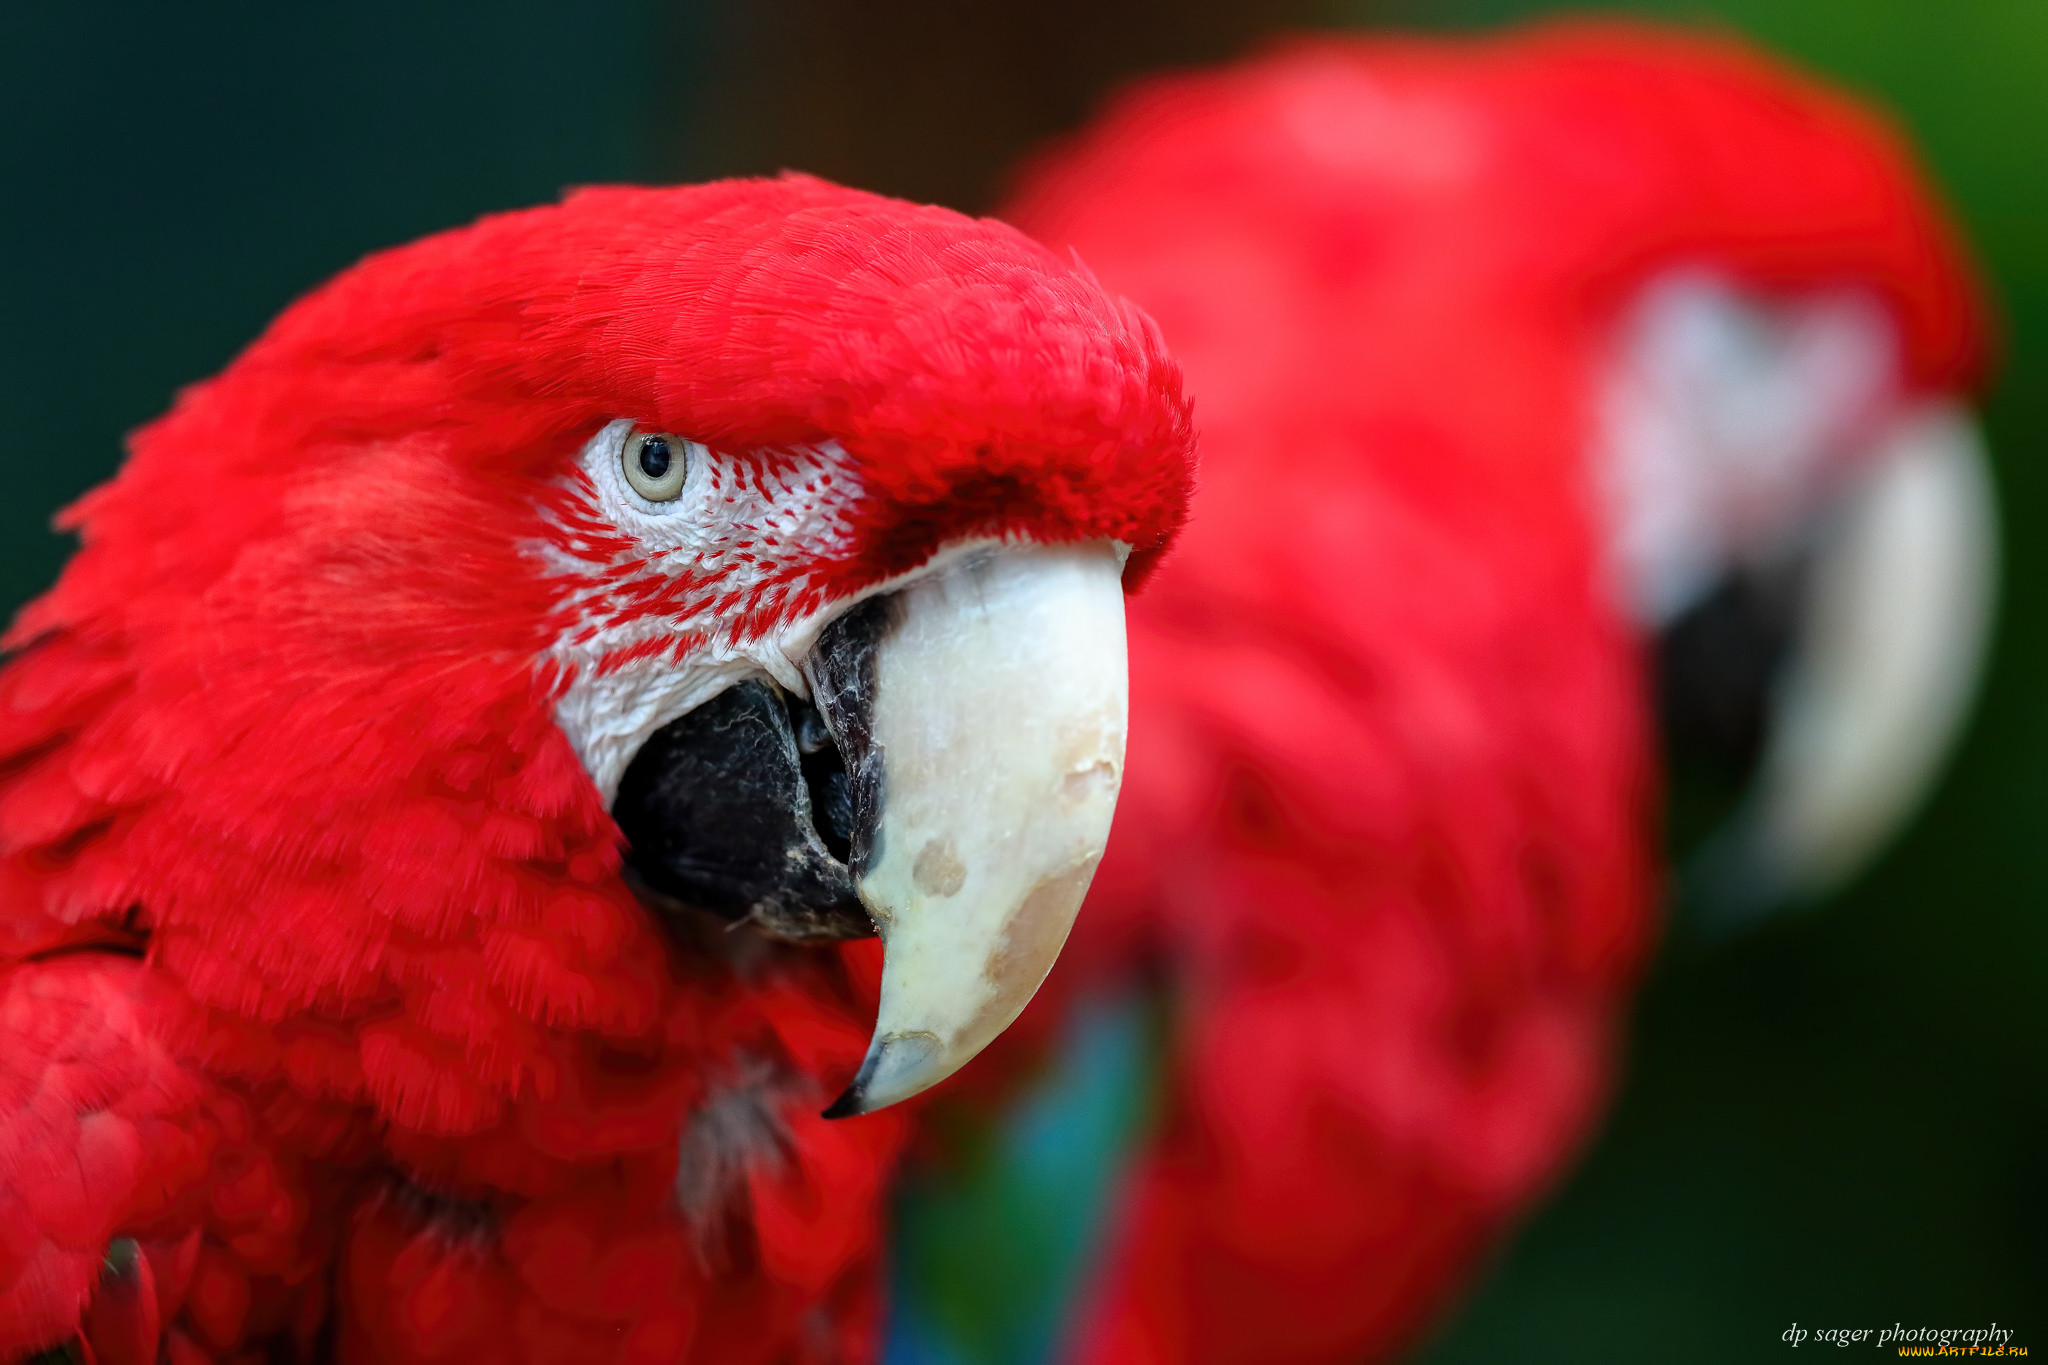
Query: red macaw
[(1505, 354), (777, 527)]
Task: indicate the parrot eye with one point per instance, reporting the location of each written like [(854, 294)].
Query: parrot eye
[(655, 465)]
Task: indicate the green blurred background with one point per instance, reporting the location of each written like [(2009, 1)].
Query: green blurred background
[(1841, 1120)]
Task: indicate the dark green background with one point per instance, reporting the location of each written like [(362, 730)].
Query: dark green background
[(1841, 1120)]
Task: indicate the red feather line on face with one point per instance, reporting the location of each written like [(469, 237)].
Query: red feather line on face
[(289, 716), (775, 520)]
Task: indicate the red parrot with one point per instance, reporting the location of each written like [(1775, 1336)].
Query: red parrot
[(1505, 354), (432, 798)]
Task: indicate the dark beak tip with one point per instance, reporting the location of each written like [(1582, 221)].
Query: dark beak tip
[(854, 1100), (848, 1105)]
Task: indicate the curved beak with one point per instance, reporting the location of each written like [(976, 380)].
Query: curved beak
[(981, 711), (1896, 621), (949, 786)]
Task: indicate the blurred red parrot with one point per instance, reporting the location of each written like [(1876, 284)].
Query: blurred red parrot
[(1510, 358), (429, 799)]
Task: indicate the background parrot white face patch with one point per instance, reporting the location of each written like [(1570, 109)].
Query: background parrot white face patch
[(1725, 421), (670, 603)]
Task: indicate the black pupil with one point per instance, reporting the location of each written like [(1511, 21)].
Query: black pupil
[(654, 457)]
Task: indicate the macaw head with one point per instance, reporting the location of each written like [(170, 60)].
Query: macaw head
[(1797, 502), (777, 528), (1719, 289)]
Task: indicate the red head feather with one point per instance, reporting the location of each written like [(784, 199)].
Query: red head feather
[(287, 715)]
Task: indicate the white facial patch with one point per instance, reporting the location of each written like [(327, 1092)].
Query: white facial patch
[(1736, 432), (674, 602), (1725, 422)]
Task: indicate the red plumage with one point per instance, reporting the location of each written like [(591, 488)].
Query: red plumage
[(320, 981), (1387, 827)]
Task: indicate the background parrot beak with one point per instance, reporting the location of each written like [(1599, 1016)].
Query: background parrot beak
[(1894, 620), (981, 711)]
